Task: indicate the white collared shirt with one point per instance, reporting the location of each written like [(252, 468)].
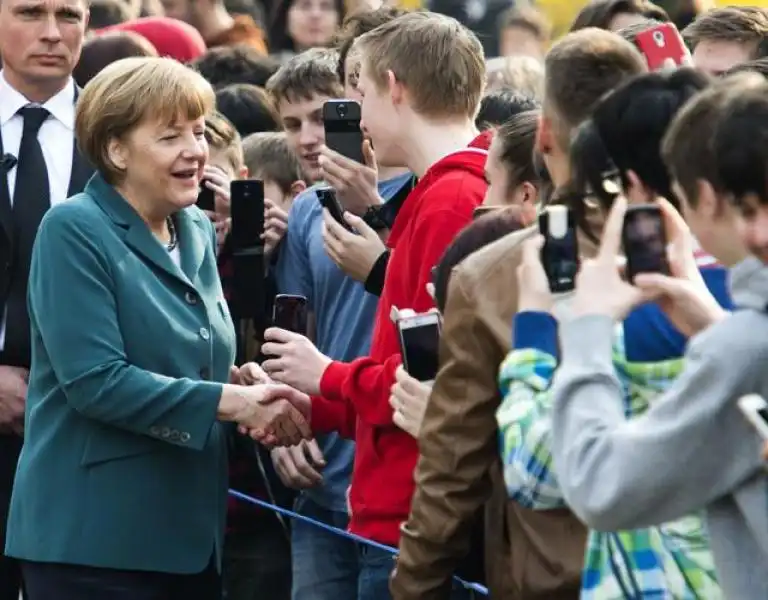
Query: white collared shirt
[(56, 137)]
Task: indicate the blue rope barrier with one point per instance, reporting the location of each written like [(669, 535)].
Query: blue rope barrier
[(475, 587)]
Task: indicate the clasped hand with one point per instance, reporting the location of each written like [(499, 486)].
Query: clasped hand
[(272, 414)]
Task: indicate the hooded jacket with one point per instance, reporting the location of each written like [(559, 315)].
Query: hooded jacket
[(356, 395)]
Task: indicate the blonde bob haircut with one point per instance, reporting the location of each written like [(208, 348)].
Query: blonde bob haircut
[(130, 92)]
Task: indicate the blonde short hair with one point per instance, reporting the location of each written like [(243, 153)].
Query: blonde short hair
[(129, 92), (523, 74), (438, 60)]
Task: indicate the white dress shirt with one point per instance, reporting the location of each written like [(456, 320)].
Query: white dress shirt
[(56, 137)]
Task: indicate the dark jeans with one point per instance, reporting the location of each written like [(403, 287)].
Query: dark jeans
[(257, 562), (48, 581), (375, 569), (325, 565)]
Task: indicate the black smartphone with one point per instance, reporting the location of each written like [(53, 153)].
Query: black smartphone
[(206, 199), (247, 207), (327, 197), (291, 313), (644, 240), (341, 119), (560, 252), (419, 345)]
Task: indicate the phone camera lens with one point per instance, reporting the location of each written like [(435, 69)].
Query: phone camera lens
[(658, 37), (341, 110)]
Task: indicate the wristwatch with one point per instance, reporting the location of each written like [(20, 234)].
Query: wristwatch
[(374, 218)]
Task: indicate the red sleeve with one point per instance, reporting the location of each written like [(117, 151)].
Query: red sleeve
[(365, 382), (333, 416)]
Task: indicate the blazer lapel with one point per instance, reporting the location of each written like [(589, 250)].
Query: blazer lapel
[(6, 212), (136, 233), (192, 241)]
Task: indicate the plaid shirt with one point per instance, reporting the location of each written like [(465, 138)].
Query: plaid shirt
[(667, 561)]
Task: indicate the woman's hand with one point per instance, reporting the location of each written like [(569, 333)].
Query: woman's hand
[(600, 289), (269, 413), (275, 225), (409, 399), (248, 374), (682, 295), (533, 286), (295, 361), (354, 254)]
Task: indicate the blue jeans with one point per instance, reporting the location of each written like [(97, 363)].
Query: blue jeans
[(325, 565), (375, 569)]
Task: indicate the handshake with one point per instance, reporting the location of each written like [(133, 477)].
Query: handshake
[(272, 414)]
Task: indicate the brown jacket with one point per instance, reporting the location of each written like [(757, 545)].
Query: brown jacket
[(529, 555)]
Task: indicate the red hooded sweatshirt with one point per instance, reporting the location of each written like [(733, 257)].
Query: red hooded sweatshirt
[(355, 396)]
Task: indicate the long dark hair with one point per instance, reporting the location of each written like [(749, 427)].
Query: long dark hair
[(279, 40)]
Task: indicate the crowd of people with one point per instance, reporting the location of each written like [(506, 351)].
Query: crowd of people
[(586, 444)]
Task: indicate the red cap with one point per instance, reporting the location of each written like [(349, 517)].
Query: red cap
[(171, 37)]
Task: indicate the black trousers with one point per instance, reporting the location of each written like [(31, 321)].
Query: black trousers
[(10, 574), (47, 581)]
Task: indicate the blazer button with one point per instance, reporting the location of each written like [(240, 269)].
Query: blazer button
[(175, 435), (190, 297), (205, 334), (166, 433), (184, 437), (205, 373), (154, 430)]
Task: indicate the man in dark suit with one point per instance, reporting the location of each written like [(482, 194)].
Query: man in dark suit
[(40, 43)]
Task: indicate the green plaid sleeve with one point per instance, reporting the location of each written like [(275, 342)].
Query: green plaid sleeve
[(524, 429)]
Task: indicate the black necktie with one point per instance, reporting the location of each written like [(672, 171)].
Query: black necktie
[(31, 198)]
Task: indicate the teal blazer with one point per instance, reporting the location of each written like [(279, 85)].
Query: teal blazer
[(124, 463)]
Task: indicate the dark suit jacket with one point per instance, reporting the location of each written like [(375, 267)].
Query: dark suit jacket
[(81, 172), (124, 463)]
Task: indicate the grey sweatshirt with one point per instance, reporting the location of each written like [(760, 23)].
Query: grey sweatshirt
[(692, 450)]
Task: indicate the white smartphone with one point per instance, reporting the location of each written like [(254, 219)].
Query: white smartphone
[(755, 409), (419, 342)]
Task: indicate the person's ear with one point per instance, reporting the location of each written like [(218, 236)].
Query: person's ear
[(544, 135), (708, 203), (243, 173), (297, 187), (395, 88), (117, 154), (526, 196)]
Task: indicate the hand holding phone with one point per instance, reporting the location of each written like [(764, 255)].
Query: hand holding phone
[(206, 198), (341, 119), (755, 409), (560, 251), (291, 312), (419, 344), (327, 197), (644, 240), (662, 46)]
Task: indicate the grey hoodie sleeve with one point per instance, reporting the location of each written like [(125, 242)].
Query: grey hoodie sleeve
[(691, 447)]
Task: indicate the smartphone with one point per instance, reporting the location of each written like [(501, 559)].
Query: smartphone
[(341, 119), (419, 344), (327, 197), (755, 409), (291, 313), (644, 240), (206, 199), (484, 210), (661, 44), (247, 207), (560, 252)]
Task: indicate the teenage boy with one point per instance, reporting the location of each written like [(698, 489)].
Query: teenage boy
[(459, 468), (421, 78), (693, 449), (325, 565)]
